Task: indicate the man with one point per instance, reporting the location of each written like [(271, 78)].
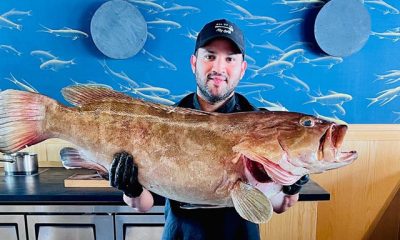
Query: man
[(218, 65)]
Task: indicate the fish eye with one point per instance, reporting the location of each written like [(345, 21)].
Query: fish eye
[(307, 122)]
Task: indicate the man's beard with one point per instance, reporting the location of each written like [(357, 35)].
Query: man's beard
[(205, 91)]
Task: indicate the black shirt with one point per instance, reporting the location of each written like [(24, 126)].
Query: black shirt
[(209, 223)]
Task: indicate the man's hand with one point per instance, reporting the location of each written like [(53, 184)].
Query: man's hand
[(124, 175), (282, 202), (296, 187), (288, 196)]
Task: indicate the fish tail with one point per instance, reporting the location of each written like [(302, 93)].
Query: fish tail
[(379, 77), (46, 29), (312, 99), (304, 59), (373, 100), (22, 116), (251, 44), (255, 73)]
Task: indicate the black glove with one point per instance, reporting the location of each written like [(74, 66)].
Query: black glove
[(296, 187), (124, 175)]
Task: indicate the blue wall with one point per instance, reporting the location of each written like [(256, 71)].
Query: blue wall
[(278, 28)]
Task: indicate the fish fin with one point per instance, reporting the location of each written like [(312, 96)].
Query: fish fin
[(22, 116), (251, 203), (80, 95), (71, 158)]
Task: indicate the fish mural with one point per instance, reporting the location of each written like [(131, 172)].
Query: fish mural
[(391, 76), (382, 6), (392, 34), (56, 64), (247, 157), (65, 32), (285, 64), (21, 83), (43, 55), (9, 19), (10, 49)]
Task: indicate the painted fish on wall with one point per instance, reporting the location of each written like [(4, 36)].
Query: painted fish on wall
[(237, 159)]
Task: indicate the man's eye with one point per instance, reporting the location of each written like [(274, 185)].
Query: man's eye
[(210, 57)]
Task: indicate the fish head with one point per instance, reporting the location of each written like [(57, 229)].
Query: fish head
[(284, 146), (314, 143)]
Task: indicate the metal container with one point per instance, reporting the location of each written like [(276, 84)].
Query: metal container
[(20, 163)]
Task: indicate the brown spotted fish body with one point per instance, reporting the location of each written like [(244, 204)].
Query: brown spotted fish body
[(182, 154)]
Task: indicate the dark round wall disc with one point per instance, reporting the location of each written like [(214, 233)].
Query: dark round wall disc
[(342, 27), (118, 29)]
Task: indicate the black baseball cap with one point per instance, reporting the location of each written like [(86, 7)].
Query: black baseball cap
[(220, 28)]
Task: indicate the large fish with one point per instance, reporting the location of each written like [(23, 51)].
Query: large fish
[(235, 159)]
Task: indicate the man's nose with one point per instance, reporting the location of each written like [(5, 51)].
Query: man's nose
[(219, 66)]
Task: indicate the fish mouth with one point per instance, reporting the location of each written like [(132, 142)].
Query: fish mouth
[(330, 143)]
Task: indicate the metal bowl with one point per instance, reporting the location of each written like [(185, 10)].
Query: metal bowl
[(20, 163)]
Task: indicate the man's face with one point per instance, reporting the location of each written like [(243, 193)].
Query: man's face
[(218, 70)]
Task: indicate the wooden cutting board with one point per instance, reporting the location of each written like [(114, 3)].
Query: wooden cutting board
[(86, 180)]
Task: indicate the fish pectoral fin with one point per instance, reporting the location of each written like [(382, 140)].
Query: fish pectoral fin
[(80, 95), (251, 203), (71, 158)]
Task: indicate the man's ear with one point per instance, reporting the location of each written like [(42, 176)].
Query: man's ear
[(243, 68), (193, 60)]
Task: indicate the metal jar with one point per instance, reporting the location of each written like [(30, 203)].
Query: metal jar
[(20, 163)]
